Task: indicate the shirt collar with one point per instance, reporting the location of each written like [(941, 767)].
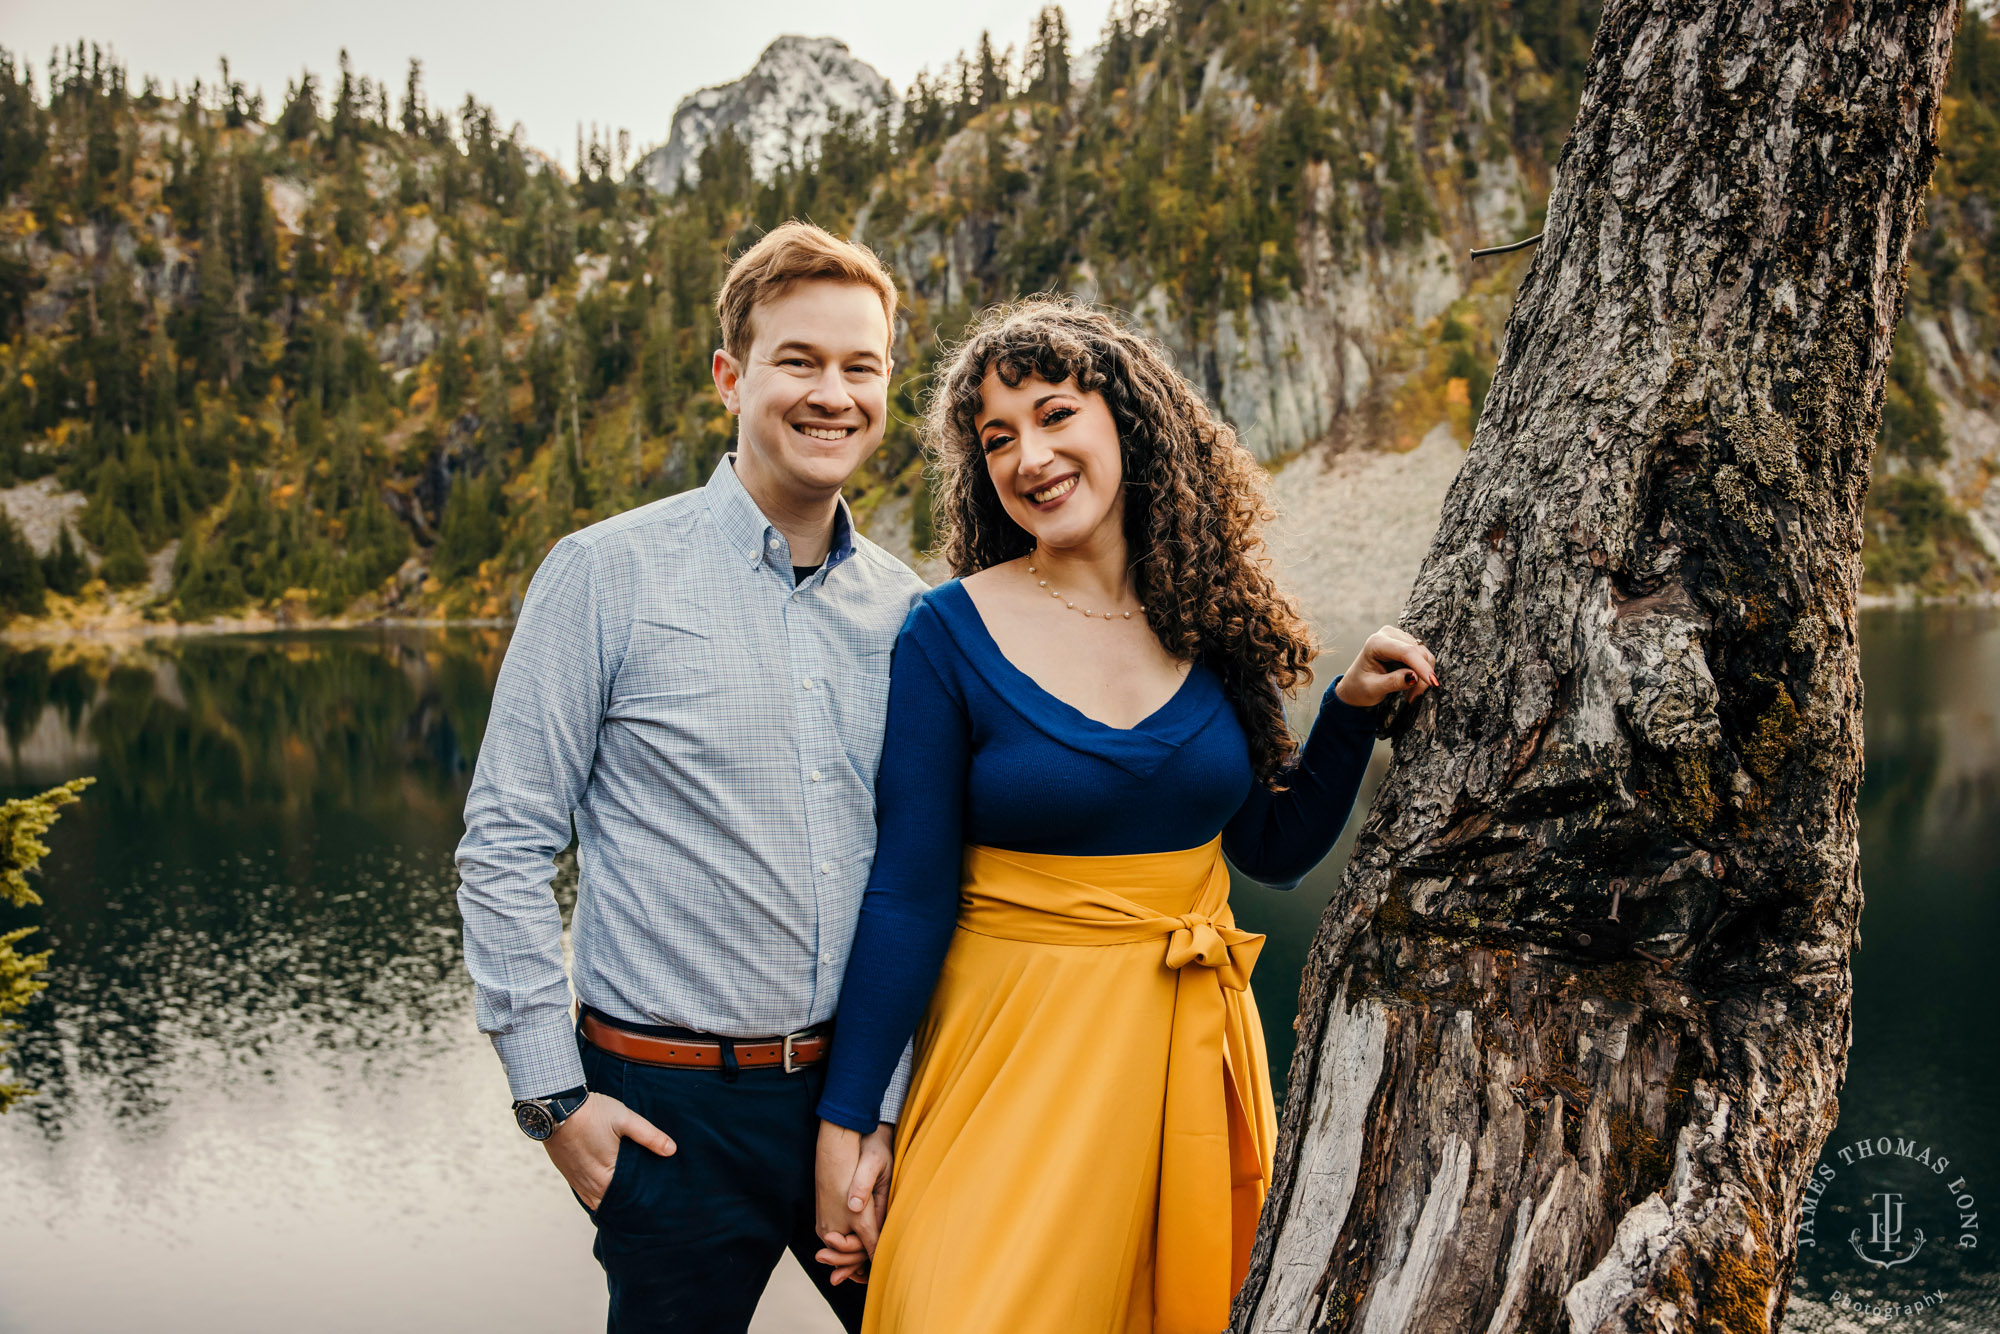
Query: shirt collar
[(750, 532)]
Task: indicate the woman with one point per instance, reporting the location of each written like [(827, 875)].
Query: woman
[(1080, 726)]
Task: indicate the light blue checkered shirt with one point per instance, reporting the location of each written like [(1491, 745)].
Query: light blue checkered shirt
[(714, 732)]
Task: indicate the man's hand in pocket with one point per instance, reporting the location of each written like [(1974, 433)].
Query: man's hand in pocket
[(585, 1147)]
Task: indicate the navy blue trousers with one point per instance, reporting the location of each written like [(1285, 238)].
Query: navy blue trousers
[(688, 1241)]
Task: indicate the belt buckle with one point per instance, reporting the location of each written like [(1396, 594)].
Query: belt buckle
[(789, 1066)]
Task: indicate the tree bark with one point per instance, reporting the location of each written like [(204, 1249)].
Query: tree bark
[(1573, 1025)]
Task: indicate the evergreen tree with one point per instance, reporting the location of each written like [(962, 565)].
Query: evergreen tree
[(23, 128), (17, 279), (473, 527), (413, 99), (215, 329), (1912, 426), (347, 103), (1046, 70), (238, 107), (124, 557), (966, 100), (205, 582), (924, 112), (377, 546), (20, 573), (350, 197), (992, 77), (22, 823), (64, 569), (300, 117)]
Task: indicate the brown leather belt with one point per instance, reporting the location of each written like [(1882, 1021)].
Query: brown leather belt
[(791, 1051)]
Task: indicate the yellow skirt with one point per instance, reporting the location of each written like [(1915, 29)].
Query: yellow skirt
[(1088, 1134)]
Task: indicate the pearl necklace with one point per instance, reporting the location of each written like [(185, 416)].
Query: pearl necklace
[(1043, 583)]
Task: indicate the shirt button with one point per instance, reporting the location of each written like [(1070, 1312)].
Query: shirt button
[(774, 544), (807, 683), (826, 959), (815, 775), (826, 868)]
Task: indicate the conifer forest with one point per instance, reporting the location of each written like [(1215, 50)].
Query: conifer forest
[(353, 353)]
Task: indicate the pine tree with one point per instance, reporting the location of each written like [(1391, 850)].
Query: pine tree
[(215, 321), (162, 376), (350, 194), (64, 569), (21, 581), (413, 99), (347, 103), (124, 556), (23, 128), (300, 117), (206, 582), (473, 527), (22, 823), (1046, 69), (992, 76)]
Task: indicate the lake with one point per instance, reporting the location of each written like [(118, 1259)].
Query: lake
[(262, 1102)]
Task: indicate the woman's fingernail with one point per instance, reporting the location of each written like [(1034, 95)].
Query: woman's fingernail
[(854, 1202)]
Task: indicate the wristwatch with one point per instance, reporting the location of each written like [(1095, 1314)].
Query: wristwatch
[(539, 1117)]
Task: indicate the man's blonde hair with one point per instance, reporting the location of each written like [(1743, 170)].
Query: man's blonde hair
[(792, 253)]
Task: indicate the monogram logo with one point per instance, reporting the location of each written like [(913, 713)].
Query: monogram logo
[(1890, 1196), (1885, 1231)]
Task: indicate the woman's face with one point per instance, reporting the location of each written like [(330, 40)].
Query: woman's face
[(1052, 452)]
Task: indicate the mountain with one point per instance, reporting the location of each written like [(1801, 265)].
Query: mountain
[(799, 89), (343, 362)]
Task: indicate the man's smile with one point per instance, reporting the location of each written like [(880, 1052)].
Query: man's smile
[(825, 432)]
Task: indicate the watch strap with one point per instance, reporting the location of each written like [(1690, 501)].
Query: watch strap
[(539, 1118)]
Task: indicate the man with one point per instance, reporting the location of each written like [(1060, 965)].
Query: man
[(701, 683)]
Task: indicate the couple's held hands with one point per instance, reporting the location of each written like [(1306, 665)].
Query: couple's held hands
[(852, 1175), (1390, 663), (585, 1146)]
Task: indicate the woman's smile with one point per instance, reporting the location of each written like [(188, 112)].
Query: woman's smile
[(1048, 497)]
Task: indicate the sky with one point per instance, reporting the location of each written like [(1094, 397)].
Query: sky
[(618, 63)]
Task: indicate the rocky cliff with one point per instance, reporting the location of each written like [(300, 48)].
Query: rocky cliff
[(799, 89)]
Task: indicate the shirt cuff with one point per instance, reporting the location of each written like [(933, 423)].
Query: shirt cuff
[(899, 1084), (541, 1058), (1345, 716), (842, 1116)]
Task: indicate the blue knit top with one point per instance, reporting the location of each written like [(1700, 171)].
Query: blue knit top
[(976, 752)]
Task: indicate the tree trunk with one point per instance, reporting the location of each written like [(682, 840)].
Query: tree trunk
[(1572, 1028)]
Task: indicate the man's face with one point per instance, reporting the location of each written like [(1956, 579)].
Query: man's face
[(812, 393)]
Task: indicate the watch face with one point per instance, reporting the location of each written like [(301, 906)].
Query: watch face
[(534, 1120)]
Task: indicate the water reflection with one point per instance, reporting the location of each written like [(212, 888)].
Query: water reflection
[(260, 1084), (264, 858), (214, 729)]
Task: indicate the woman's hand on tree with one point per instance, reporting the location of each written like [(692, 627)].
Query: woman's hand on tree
[(1390, 663)]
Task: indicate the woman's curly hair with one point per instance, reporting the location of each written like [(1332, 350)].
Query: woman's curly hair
[(1194, 501)]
